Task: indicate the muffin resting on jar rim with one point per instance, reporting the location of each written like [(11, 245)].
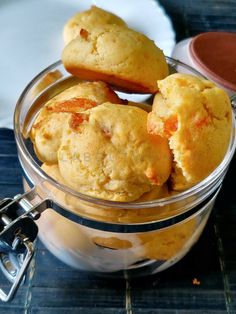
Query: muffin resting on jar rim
[(116, 55)]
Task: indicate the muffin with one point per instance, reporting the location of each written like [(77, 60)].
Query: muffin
[(196, 118), (116, 55), (47, 129), (89, 19), (107, 153)]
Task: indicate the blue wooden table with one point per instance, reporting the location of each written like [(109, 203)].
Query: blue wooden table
[(53, 287)]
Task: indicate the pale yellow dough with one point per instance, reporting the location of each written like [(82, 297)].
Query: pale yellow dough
[(116, 55), (111, 155)]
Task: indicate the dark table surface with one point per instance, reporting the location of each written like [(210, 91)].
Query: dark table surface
[(52, 287)]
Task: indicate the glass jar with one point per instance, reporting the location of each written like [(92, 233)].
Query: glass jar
[(106, 237)]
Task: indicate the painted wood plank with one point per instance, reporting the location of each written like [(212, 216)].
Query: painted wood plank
[(6, 134), (7, 148), (79, 310)]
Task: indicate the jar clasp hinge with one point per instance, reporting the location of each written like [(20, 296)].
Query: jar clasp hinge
[(17, 234)]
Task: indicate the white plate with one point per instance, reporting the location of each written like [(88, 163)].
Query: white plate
[(31, 37)]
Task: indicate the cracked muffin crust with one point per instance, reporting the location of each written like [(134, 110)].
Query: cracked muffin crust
[(196, 117), (89, 19), (116, 55), (110, 155)]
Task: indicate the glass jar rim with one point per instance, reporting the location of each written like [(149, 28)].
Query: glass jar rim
[(126, 205)]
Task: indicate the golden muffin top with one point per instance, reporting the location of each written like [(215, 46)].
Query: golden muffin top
[(47, 129), (117, 55)]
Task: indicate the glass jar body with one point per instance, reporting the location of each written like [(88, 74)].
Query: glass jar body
[(108, 237)]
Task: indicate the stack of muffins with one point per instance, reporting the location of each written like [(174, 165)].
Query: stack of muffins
[(106, 147)]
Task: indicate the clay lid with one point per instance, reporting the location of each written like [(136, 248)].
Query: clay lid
[(215, 54)]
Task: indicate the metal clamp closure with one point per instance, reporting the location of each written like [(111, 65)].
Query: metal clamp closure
[(17, 234)]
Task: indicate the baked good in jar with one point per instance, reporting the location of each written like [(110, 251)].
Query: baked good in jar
[(117, 55), (196, 117)]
